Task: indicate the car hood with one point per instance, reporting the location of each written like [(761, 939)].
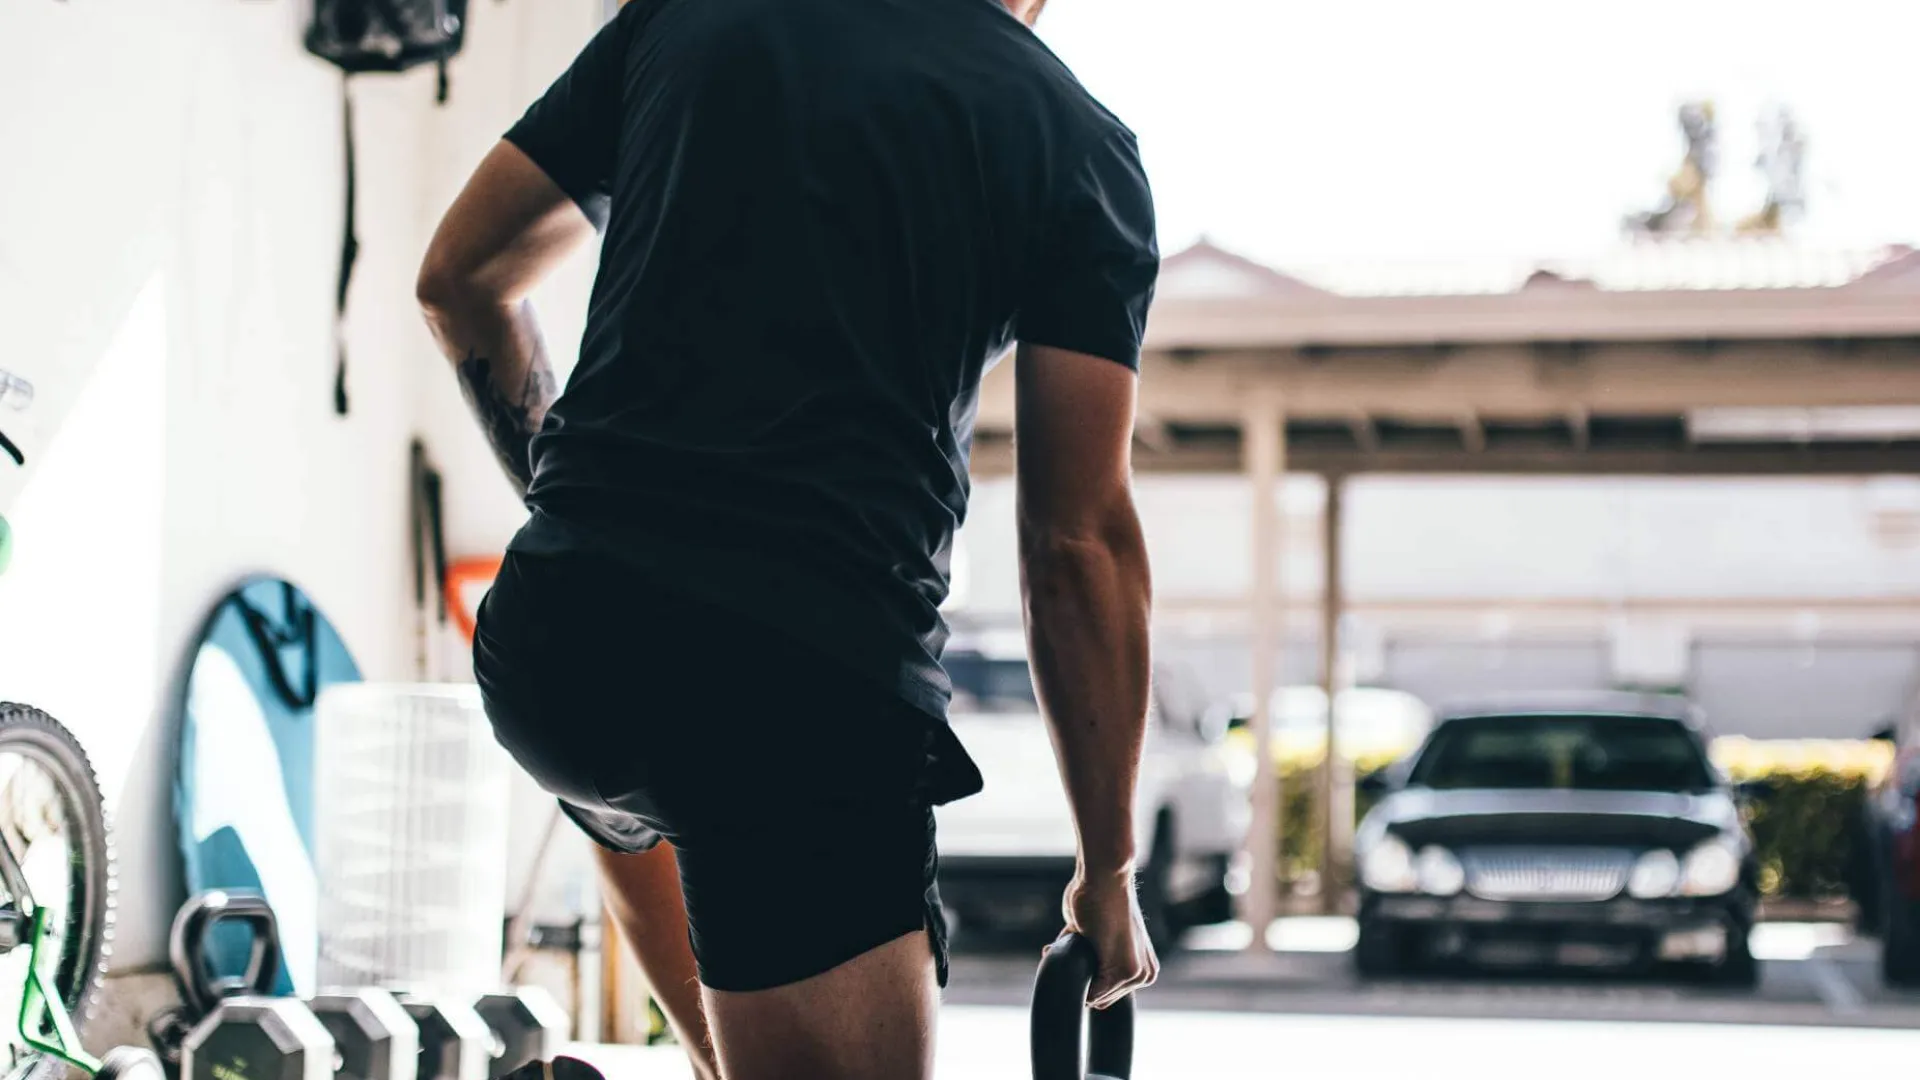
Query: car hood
[(1637, 819)]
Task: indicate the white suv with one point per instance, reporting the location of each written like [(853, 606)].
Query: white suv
[(1007, 853)]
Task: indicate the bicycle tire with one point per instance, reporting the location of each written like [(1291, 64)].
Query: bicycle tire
[(92, 877)]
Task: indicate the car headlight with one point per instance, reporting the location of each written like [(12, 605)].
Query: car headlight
[(1655, 874), (1711, 869), (1388, 866), (1438, 872)]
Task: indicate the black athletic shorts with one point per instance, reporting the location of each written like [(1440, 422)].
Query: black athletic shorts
[(793, 792)]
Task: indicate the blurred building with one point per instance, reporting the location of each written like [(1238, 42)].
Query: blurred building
[(1692, 470)]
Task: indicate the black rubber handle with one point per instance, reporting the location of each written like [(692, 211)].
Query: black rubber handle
[(200, 986), (1059, 1006)]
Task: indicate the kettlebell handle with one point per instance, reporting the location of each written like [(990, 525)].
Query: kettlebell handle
[(1059, 1007), (191, 940)]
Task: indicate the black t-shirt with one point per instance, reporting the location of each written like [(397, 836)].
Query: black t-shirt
[(823, 219)]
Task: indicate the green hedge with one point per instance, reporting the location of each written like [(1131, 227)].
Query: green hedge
[(1803, 823), (1806, 823)]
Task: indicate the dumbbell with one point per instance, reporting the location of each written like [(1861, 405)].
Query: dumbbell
[(515, 1026), (375, 1037), (455, 1044), (258, 1038), (527, 1025)]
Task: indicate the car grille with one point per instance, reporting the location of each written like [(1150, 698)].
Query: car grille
[(1547, 873)]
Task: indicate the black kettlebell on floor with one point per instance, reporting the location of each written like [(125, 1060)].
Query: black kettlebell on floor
[(1059, 1006), (191, 948), (189, 951)]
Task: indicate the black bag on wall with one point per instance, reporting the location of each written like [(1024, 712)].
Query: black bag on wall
[(377, 35), (386, 35)]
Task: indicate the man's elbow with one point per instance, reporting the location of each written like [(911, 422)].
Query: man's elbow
[(1099, 534), (449, 286), (442, 287)]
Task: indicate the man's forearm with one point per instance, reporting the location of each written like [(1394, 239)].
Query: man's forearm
[(1087, 603), (501, 360)]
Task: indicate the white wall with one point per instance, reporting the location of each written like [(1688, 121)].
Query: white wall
[(170, 208)]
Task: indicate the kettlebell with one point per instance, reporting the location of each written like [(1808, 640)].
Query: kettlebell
[(189, 948), (1060, 1008)]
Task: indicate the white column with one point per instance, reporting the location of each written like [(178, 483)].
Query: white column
[(1264, 444)]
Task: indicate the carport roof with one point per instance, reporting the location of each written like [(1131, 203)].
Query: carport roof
[(1709, 356), (1723, 289)]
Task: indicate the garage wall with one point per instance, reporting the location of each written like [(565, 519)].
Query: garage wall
[(170, 216), (1444, 673), (1778, 688)]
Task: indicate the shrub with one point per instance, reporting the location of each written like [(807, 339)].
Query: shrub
[(1805, 823)]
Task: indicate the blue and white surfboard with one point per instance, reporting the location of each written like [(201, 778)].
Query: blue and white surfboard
[(243, 789)]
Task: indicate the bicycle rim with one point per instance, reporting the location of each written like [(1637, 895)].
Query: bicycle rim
[(53, 827)]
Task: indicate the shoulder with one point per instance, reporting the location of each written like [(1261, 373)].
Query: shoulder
[(1084, 123)]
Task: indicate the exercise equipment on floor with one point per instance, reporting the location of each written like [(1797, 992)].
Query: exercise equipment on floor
[(231, 1027), (1059, 1009), (374, 1036), (527, 1025), (455, 1043), (258, 1038)]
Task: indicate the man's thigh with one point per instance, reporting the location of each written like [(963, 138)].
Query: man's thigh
[(871, 1018)]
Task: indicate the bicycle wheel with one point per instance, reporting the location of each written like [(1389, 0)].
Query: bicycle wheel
[(56, 855)]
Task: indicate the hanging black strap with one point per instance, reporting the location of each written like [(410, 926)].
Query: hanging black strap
[(349, 254), (429, 533), (417, 469), (296, 629)]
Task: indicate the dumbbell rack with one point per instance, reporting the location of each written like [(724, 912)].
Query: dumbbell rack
[(231, 1027)]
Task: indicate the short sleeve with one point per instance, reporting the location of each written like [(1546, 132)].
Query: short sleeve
[(1092, 281), (573, 131)]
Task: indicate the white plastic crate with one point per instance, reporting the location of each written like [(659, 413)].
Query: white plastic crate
[(410, 822)]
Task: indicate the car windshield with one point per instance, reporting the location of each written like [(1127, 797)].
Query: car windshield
[(990, 684), (1586, 753)]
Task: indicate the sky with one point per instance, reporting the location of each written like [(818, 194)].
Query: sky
[(1336, 131)]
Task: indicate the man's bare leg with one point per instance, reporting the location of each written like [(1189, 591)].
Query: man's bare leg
[(871, 1018), (643, 893)]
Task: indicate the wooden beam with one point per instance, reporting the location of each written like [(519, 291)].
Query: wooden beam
[(1580, 427), (1336, 787), (1473, 434), (993, 457), (1265, 464), (1150, 432), (1323, 321), (1508, 381), (1366, 434)]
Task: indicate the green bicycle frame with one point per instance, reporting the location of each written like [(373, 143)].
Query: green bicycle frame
[(40, 1008)]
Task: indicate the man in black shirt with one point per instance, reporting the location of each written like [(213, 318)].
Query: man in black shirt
[(717, 639)]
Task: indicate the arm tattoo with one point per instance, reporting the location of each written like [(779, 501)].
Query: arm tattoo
[(509, 417)]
